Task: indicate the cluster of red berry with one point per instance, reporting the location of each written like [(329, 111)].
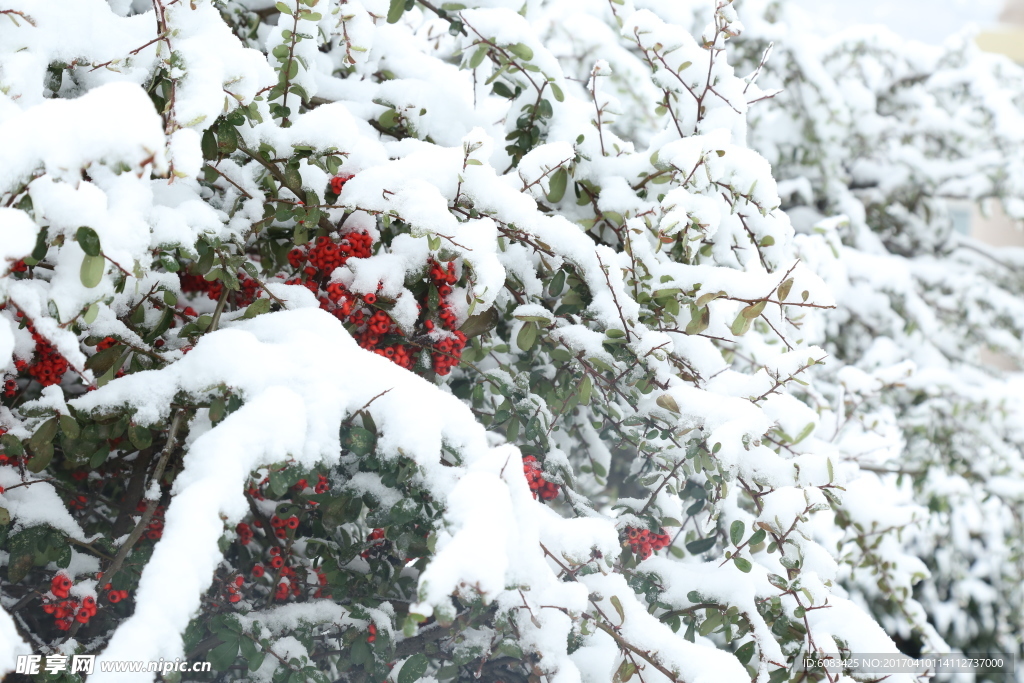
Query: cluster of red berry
[(63, 609), (155, 528), (326, 255), (343, 304), (338, 182), (322, 485), (106, 343), (288, 584), (282, 526), (448, 351), (317, 263), (197, 283), (321, 580), (372, 628), (644, 543), (47, 366), (231, 589), (543, 489), (115, 596), (375, 542), (6, 459), (244, 533)]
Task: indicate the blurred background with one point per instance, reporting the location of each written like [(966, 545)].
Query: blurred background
[(998, 27)]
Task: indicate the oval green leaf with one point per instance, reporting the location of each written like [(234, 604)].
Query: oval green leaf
[(88, 240), (92, 270)]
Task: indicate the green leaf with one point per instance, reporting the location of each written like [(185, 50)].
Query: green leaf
[(209, 142), (701, 545), (104, 360), (256, 661), (745, 652), (223, 656), (521, 50), (736, 530), (227, 139), (140, 436), (804, 433), (69, 426), (502, 90), (44, 434), (258, 307), (478, 57), (784, 289), (625, 671), (360, 441), (713, 621), (614, 218), (414, 668), (741, 324), (742, 564), (99, 457), (754, 310), (556, 188), (388, 118), (405, 511), (247, 647), (39, 252), (527, 336), (88, 240), (396, 11), (22, 552), (92, 271), (557, 283), (586, 388), (617, 604), (757, 537), (667, 402), (557, 92), (90, 313), (361, 654), (11, 445), (705, 299), (281, 480), (698, 323), (284, 9), (41, 457), (767, 241), (5, 517), (478, 324)]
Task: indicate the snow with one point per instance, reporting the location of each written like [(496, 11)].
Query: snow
[(113, 123), (14, 645)]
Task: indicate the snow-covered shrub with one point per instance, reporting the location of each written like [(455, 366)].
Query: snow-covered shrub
[(373, 340), (894, 136)]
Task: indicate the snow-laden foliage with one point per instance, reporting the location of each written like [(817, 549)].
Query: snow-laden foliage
[(393, 340), (888, 134)]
